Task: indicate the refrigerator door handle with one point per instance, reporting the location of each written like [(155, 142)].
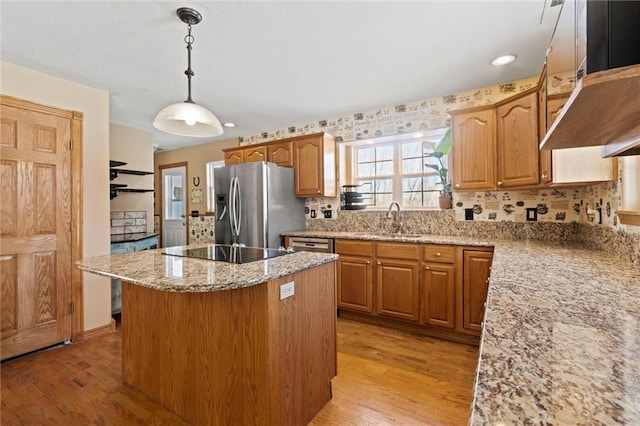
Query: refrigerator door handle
[(231, 206), (239, 209)]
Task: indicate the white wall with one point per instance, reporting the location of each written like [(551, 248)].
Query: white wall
[(135, 147), (45, 89)]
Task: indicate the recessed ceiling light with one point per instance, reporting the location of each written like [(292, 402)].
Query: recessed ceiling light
[(503, 60), (229, 125)]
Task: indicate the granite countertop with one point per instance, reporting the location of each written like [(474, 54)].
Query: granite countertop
[(561, 337), (127, 238), (405, 238), (151, 268)]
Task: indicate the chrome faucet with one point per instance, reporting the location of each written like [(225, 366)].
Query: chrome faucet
[(389, 216)]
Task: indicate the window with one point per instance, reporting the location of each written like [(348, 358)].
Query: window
[(211, 195), (394, 168)]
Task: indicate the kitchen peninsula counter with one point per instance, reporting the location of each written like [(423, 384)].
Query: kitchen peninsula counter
[(561, 336), (223, 343)]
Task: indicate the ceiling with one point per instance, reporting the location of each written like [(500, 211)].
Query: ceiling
[(269, 65)]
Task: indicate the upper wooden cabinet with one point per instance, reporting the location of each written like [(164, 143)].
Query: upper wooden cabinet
[(253, 154), (517, 142), (473, 136), (313, 158), (280, 154), (314, 162), (234, 156)]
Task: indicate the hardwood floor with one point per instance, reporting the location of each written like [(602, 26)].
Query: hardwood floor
[(384, 377)]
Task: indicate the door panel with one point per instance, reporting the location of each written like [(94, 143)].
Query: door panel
[(397, 288), (35, 253), (174, 206), (439, 295)]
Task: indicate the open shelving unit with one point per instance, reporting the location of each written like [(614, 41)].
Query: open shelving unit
[(114, 171)]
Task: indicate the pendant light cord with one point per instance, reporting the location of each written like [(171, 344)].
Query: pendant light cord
[(189, 39)]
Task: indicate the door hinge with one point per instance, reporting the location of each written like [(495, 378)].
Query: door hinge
[(70, 226), (71, 307), (70, 144)]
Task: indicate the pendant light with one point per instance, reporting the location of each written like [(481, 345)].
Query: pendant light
[(187, 118)]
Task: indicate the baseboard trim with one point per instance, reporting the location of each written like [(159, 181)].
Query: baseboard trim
[(97, 332)]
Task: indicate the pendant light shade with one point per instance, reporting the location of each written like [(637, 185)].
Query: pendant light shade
[(187, 118)]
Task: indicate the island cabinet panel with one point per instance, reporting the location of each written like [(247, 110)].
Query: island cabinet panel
[(234, 357), (476, 270), (397, 284), (474, 149), (518, 160)]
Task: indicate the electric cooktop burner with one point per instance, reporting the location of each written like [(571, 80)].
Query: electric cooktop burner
[(225, 253)]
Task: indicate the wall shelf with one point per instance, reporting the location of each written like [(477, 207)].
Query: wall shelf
[(114, 188)]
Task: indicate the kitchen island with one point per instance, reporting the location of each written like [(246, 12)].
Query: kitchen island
[(560, 341), (219, 343)]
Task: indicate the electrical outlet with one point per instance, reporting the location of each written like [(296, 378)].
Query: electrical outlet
[(532, 214), (468, 214), (286, 290), (327, 214)]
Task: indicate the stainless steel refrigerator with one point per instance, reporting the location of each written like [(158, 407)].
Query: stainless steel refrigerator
[(255, 203)]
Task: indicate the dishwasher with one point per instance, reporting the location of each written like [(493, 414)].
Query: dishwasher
[(320, 245)]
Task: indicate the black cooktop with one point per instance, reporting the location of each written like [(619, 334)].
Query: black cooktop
[(225, 253)]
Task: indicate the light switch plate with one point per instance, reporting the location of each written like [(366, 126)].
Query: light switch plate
[(286, 290)]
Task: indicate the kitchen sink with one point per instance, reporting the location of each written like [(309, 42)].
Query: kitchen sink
[(393, 235)]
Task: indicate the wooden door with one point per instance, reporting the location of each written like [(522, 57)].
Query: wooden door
[(518, 152), (35, 253), (439, 294), (233, 157), (308, 164), (397, 287), (280, 153), (476, 270), (253, 154), (474, 150), (355, 289)]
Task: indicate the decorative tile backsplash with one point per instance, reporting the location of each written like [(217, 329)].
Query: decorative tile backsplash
[(128, 222), (201, 230)]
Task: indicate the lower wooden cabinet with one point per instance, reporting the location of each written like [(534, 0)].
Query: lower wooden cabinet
[(397, 284), (439, 295), (355, 287), (476, 270)]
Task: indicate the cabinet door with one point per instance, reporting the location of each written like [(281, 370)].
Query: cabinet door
[(518, 161), (233, 157), (554, 106), (308, 165), (280, 154), (397, 289), (258, 153), (439, 294), (476, 269), (473, 146), (355, 290)]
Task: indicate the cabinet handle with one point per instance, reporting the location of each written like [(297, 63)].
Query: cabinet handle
[(457, 185), (438, 254), (368, 262), (378, 263), (545, 176), (427, 268), (318, 192), (499, 183)]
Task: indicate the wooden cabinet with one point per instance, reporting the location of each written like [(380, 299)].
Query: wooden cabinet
[(545, 154), (280, 154), (314, 162), (313, 158), (475, 284), (253, 154), (232, 157), (517, 142), (354, 281), (438, 281), (474, 136), (438, 286), (397, 280)]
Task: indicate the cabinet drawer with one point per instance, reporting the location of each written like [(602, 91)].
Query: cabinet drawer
[(438, 253), (357, 248), (398, 251)]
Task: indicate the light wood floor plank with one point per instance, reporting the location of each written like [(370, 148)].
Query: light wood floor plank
[(385, 377)]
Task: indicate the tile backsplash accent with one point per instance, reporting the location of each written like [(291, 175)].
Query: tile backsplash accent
[(128, 222), (201, 230)]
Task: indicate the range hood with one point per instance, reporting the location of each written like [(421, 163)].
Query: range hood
[(604, 109)]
